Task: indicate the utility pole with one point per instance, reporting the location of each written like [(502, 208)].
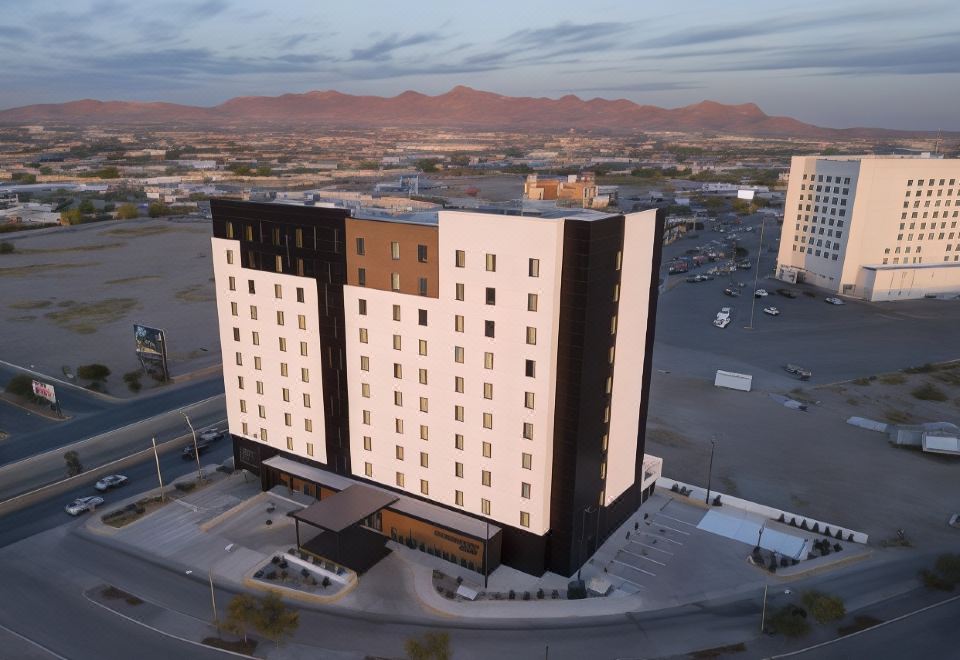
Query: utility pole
[(213, 603), (763, 612), (756, 274), (157, 457), (196, 449), (713, 446)]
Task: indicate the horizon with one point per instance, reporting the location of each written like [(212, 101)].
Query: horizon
[(865, 65)]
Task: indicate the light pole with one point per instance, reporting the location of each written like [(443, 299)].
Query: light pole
[(157, 457), (583, 525), (196, 450), (756, 274), (713, 446), (213, 603), (763, 612)]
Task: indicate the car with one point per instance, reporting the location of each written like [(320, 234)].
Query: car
[(787, 293), (83, 504), (694, 279), (111, 481), (798, 371), (772, 311), (833, 301), (733, 293), (721, 322), (761, 293), (210, 435)]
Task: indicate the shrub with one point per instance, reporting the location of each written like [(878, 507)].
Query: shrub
[(789, 621), (823, 607), (929, 392), (512, 595), (555, 594), (948, 566), (934, 581), (6, 248), (922, 369), (781, 518), (185, 486), (839, 534), (526, 595), (816, 527), (20, 385), (893, 379), (326, 582), (861, 381), (93, 372), (539, 594)]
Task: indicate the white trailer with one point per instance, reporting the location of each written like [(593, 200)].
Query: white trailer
[(734, 381)]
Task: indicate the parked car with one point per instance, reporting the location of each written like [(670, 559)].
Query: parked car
[(724, 313), (111, 481), (83, 504), (721, 322), (733, 293), (772, 311), (833, 301), (761, 293), (798, 371), (787, 293)]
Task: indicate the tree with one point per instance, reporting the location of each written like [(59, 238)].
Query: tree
[(823, 607), (74, 466), (7, 248), (86, 207), (127, 212), (71, 217), (20, 385), (426, 164), (93, 371), (274, 619), (156, 209), (242, 615), (433, 646)]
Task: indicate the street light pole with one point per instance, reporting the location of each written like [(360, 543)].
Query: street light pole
[(196, 450), (756, 274), (156, 456), (213, 603), (713, 446), (763, 612)]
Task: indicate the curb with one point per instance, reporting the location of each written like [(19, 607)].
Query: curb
[(100, 395), (40, 413), (32, 642)]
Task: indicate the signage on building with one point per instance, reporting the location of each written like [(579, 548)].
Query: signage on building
[(44, 391), (468, 547)]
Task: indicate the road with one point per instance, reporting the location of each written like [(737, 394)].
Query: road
[(93, 416)]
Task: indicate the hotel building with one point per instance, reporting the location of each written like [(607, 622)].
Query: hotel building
[(873, 227), (488, 371)]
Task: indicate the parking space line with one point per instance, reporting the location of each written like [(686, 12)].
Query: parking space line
[(664, 538), (628, 580), (634, 554), (631, 566), (663, 515), (678, 531), (666, 552)]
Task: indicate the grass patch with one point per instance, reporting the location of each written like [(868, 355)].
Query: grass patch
[(861, 381), (77, 248), (134, 279), (21, 319), (948, 377), (239, 646), (897, 416), (112, 593), (39, 269), (148, 230), (853, 401), (30, 304), (893, 379), (929, 392), (195, 293), (922, 369), (789, 621), (86, 318), (122, 517), (719, 651), (859, 623), (824, 607)]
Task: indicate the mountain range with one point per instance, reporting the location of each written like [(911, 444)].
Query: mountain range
[(461, 107)]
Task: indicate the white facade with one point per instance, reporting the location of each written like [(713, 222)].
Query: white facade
[(271, 354), (846, 215)]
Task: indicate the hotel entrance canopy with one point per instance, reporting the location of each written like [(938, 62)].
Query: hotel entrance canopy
[(339, 511)]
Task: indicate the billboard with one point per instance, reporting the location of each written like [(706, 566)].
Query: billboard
[(44, 391), (151, 348), (745, 194)]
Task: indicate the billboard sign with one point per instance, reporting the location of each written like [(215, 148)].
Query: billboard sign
[(151, 347), (745, 194), (44, 391)]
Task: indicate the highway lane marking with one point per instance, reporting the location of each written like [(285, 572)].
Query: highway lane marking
[(866, 630), (634, 554), (652, 547), (37, 644), (657, 536), (631, 566)]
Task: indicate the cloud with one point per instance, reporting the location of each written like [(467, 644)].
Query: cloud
[(565, 32), (207, 9), (383, 49)]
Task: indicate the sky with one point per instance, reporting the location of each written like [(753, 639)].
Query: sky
[(838, 63)]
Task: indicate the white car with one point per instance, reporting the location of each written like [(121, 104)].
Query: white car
[(772, 311), (210, 435), (833, 301), (761, 293), (721, 322), (82, 504), (112, 481)]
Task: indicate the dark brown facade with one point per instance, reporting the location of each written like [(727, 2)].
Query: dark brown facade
[(379, 251)]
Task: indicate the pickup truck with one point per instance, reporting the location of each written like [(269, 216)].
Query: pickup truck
[(799, 372)]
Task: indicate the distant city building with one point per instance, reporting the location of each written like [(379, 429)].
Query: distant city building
[(873, 227), (581, 190), (488, 371)]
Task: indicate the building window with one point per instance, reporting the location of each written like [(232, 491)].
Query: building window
[(362, 304), (458, 323), (528, 431), (243, 406), (253, 312), (283, 369), (526, 461), (400, 479), (422, 254), (234, 309), (491, 263), (368, 469), (394, 281), (236, 334), (397, 398), (613, 324), (424, 487), (289, 443), (300, 297), (488, 360), (458, 497), (424, 432), (365, 390), (619, 259), (277, 291), (398, 452), (398, 425), (487, 420), (279, 317), (488, 390), (257, 363), (458, 470), (259, 387), (301, 321), (396, 342), (305, 375), (422, 347), (364, 363), (396, 312), (530, 368), (309, 444), (230, 231), (298, 237), (485, 506), (362, 277), (251, 287), (524, 519), (283, 344), (458, 354), (458, 441), (460, 259), (240, 382), (491, 296), (245, 430), (489, 328), (533, 268), (422, 286), (487, 450), (232, 283), (364, 337), (424, 459), (361, 246), (525, 490), (394, 250), (458, 384), (287, 419), (531, 302), (528, 400), (278, 264), (262, 412), (397, 370), (286, 394), (459, 292), (422, 377), (485, 477), (531, 335), (424, 404), (458, 413), (367, 443)]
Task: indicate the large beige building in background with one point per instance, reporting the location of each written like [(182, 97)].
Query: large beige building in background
[(873, 227), (488, 372)]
